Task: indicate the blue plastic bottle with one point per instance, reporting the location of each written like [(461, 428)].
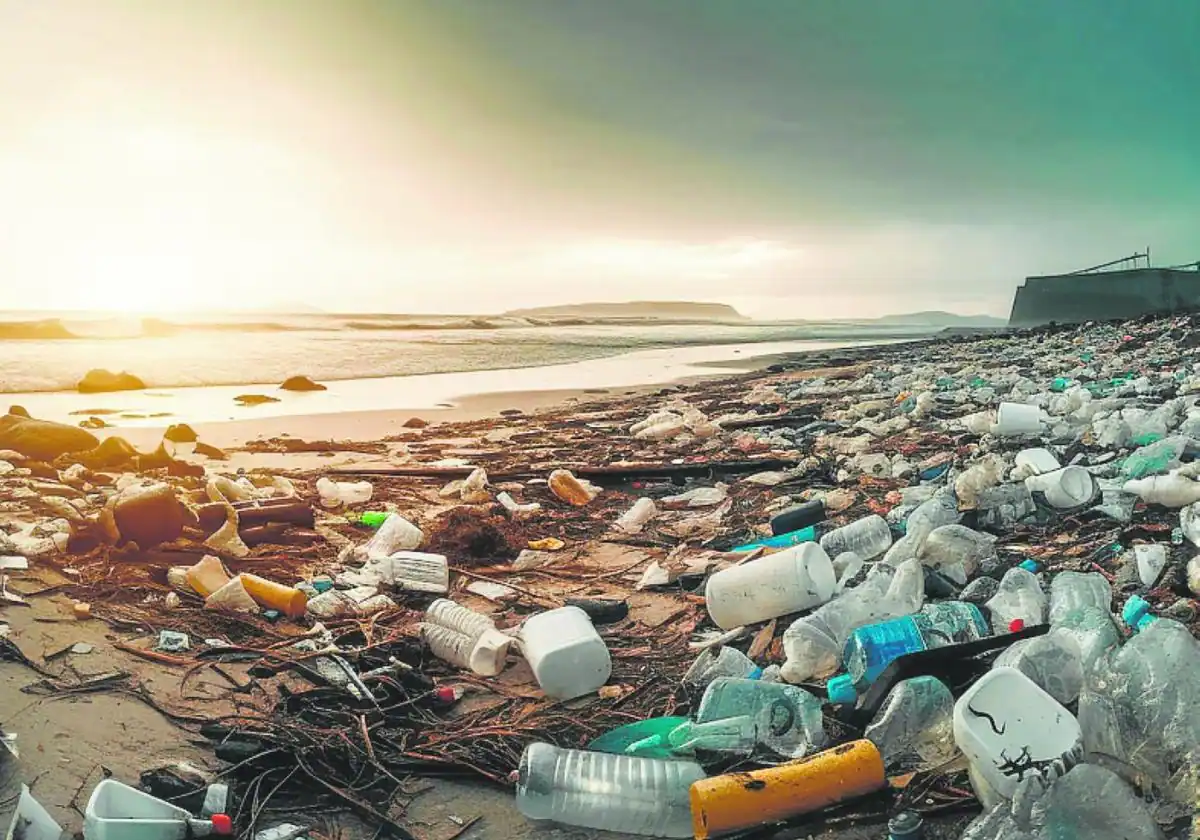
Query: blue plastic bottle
[(870, 649)]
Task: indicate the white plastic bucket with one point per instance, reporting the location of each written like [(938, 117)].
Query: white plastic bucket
[(1008, 726), (567, 655), (1065, 488), (789, 581), (1037, 461), (119, 812), (1017, 420)]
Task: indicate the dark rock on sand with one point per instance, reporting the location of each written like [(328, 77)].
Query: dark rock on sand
[(301, 383), (94, 423), (112, 453), (18, 411), (42, 439), (180, 433), (254, 399), (99, 381), (210, 451), (150, 516), (415, 423), (511, 412)]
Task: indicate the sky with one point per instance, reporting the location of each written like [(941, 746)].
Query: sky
[(793, 158)]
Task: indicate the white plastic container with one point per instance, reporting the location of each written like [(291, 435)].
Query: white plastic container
[(621, 793), (458, 618), (395, 534), (789, 581), (1064, 488), (1037, 461), (1017, 420), (567, 655), (119, 812), (336, 493), (1008, 727)]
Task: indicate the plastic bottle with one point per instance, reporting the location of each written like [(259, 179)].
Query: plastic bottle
[(941, 509), (395, 534), (515, 510), (1173, 491), (1020, 597), (869, 649), (957, 545), (565, 486), (813, 644), (914, 730), (445, 613), (719, 662), (289, 600), (1004, 506), (207, 576), (725, 804), (337, 493), (566, 654), (868, 538), (1054, 662), (1070, 591), (792, 580), (619, 793), (788, 720), (634, 519), (798, 517)]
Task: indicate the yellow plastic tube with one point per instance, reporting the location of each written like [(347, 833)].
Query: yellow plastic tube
[(737, 801), (288, 600)]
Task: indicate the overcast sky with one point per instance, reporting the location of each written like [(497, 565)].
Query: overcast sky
[(796, 158)]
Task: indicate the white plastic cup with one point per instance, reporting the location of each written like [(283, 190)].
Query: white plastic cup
[(1037, 461), (789, 581), (1017, 420), (1064, 488), (1006, 725), (567, 655)]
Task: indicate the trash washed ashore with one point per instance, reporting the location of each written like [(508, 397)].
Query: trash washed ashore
[(947, 584)]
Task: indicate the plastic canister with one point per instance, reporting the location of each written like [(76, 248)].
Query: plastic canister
[(1009, 728), (1017, 420), (789, 581), (1064, 488), (567, 655), (723, 804), (119, 812)]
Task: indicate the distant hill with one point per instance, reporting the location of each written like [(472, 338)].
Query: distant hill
[(941, 319), (673, 310)]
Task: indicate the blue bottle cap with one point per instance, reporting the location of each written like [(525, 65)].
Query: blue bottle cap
[(841, 689), (1029, 566), (1135, 608), (1144, 622), (755, 674)]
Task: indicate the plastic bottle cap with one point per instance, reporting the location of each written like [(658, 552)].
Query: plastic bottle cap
[(755, 674), (446, 694), (841, 689), (1029, 566), (1134, 610), (221, 824), (1016, 625), (1144, 622)]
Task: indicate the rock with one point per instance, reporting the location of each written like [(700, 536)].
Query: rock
[(980, 590), (415, 423), (148, 516), (1182, 610), (254, 399), (42, 439), (99, 381), (301, 383), (112, 452), (94, 423), (1193, 575), (180, 433), (511, 412), (18, 411), (210, 451)]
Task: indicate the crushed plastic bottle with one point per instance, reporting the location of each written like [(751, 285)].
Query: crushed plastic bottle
[(1054, 662), (620, 793), (1020, 598), (957, 545), (1004, 506), (565, 486), (813, 644), (717, 662), (1070, 591), (788, 720), (635, 519), (348, 493), (914, 729), (941, 509), (868, 538), (1172, 490), (1157, 458), (395, 534)]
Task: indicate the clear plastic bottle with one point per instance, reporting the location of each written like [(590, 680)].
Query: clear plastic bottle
[(788, 719), (870, 649), (948, 546), (1020, 597), (1005, 506), (941, 509), (719, 662), (813, 644), (646, 796), (395, 534), (914, 729), (1071, 590), (868, 538), (1054, 662), (446, 613)]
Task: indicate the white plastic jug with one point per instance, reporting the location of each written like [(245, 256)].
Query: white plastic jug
[(1009, 728), (567, 655), (799, 578), (119, 812)]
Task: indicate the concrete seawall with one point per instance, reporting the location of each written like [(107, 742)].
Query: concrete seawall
[(1073, 298)]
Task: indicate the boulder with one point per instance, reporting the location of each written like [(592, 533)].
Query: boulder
[(99, 381), (148, 516), (18, 410), (415, 423), (94, 423), (210, 451), (180, 433), (301, 383), (43, 440)]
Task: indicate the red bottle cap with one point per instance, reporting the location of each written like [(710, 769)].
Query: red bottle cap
[(1016, 625), (446, 694), (221, 824)]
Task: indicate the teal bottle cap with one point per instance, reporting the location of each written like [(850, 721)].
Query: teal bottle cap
[(841, 689)]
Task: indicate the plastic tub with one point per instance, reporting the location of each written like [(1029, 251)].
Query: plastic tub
[(1064, 488), (1008, 727), (119, 812), (1017, 420), (567, 655), (797, 579)]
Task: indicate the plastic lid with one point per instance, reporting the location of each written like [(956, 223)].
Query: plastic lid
[(1016, 625), (1144, 622), (221, 824), (841, 689)]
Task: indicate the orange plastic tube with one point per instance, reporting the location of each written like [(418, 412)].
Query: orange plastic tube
[(288, 600), (737, 801)]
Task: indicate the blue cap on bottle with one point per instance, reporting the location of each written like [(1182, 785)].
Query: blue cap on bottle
[(1029, 566), (1134, 610), (841, 689)]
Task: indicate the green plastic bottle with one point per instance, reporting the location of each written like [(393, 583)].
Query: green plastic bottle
[(370, 518)]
